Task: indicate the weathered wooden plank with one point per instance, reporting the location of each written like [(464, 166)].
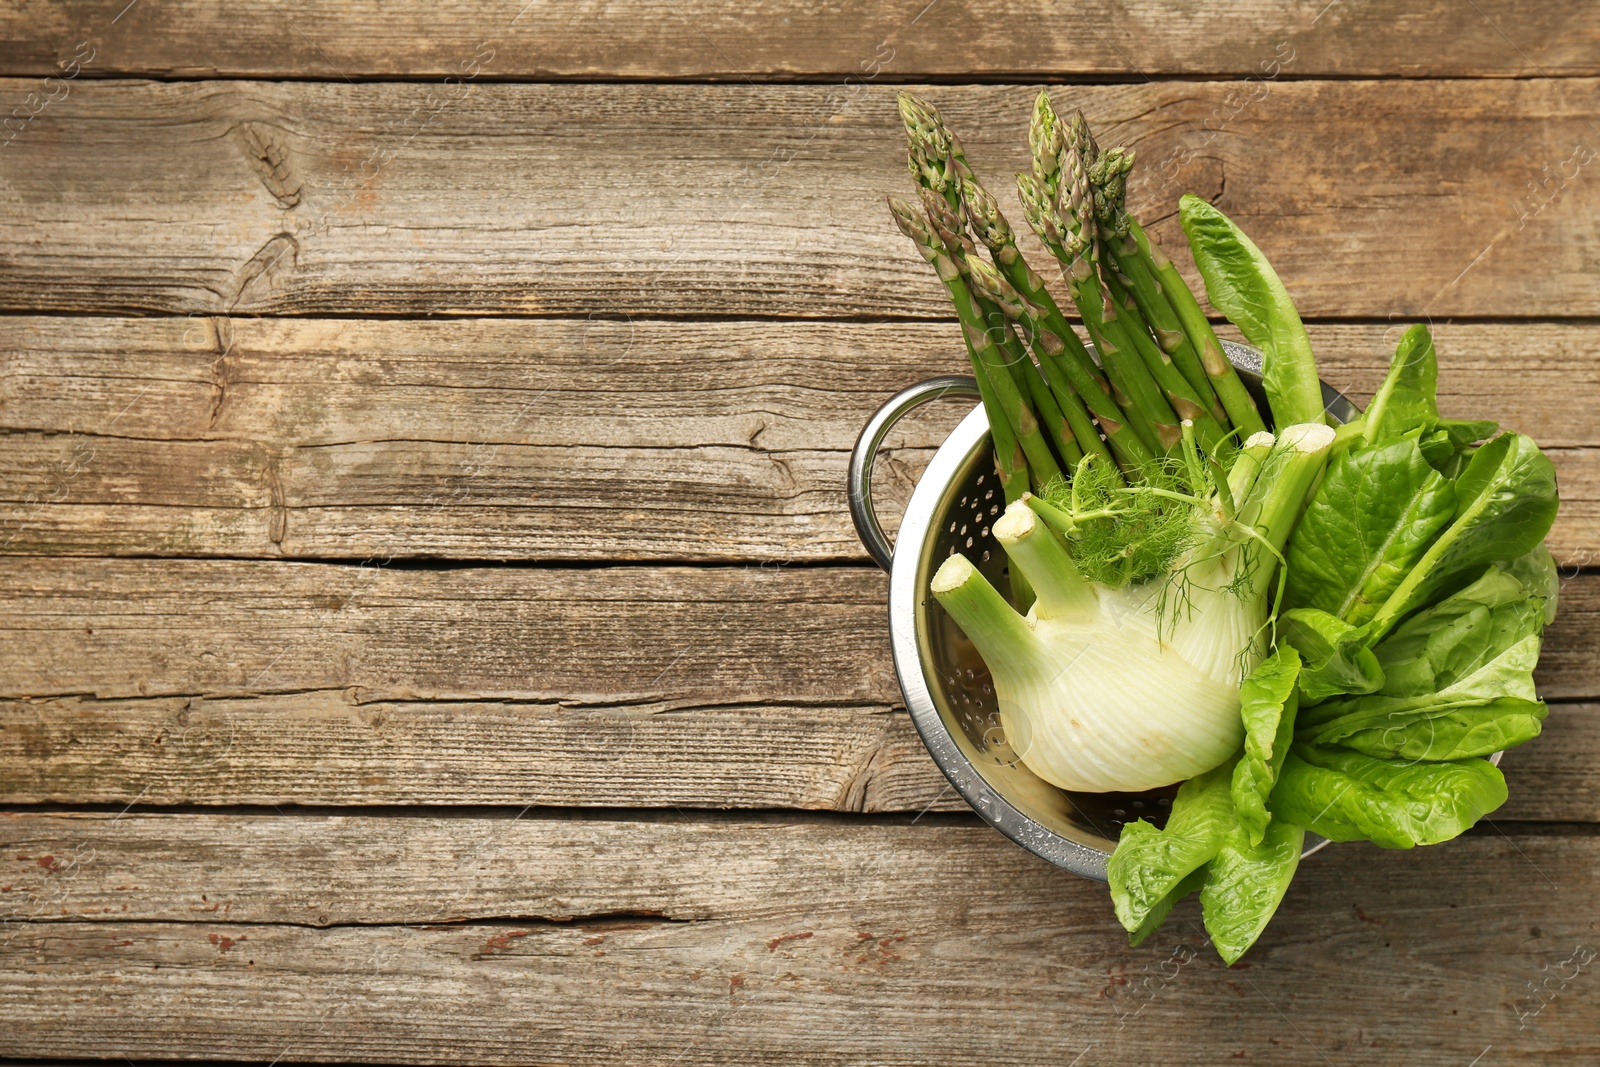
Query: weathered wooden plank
[(1552, 778), (565, 439), (704, 636), (623, 635), (713, 39), (792, 943), (329, 197), (339, 748)]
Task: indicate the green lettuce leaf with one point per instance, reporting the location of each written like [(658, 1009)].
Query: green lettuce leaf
[(1537, 573), (1244, 287), (1466, 432), (1454, 734), (1476, 648), (1148, 864), (1407, 402), (1267, 704), (1407, 399), (1505, 502), (1349, 796), (1334, 657), (1245, 884), (1158, 914), (1371, 520)]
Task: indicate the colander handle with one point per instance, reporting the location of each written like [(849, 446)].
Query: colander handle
[(868, 528)]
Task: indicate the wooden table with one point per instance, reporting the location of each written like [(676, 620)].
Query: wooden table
[(433, 630)]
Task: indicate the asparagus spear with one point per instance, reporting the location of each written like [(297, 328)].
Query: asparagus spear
[(1009, 416), (1180, 394), (950, 227), (1094, 209), (1044, 140), (1122, 253), (1052, 231), (1235, 399), (938, 166), (1058, 429), (1066, 363), (933, 148), (1075, 426), (1073, 246)]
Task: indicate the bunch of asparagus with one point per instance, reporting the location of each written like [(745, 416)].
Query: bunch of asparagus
[(1162, 373)]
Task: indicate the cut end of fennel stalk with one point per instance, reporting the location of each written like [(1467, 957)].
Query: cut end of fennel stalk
[(952, 575), (1017, 522), (1260, 439), (1304, 436)]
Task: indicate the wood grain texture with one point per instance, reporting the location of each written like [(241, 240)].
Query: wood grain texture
[(341, 748), (717, 39), (344, 748), (568, 439), (634, 942), (711, 200), (705, 636)]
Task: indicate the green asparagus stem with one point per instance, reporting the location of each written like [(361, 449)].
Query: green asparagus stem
[(1154, 429), (1122, 252), (1241, 407), (1066, 363), (1158, 313), (1010, 464), (1225, 381), (993, 297), (988, 355), (950, 225), (937, 165), (1058, 429), (1100, 313), (1079, 428), (1180, 394)]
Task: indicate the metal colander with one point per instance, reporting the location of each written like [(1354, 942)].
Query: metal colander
[(945, 683)]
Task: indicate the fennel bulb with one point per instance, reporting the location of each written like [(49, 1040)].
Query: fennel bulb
[(1128, 687)]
